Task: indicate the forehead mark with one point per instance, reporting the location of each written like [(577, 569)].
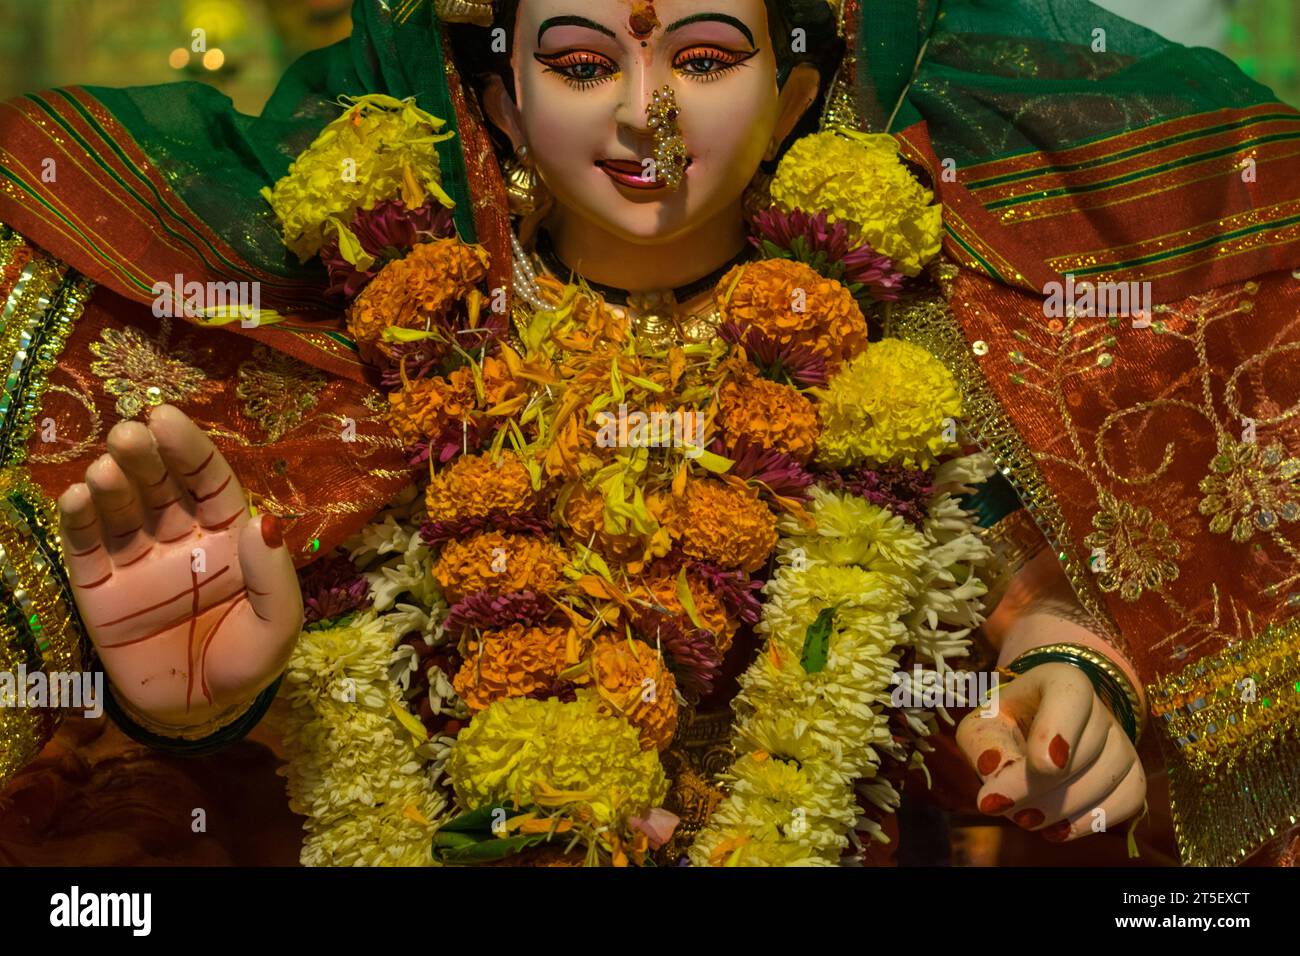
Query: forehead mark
[(643, 20)]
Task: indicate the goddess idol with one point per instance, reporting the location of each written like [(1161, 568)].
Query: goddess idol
[(378, 504)]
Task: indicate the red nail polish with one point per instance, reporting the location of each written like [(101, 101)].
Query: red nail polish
[(996, 803), (1028, 819), (988, 762), (1059, 751), (1057, 832), (272, 531)]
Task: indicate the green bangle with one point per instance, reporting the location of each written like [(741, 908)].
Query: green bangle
[(1104, 676), (221, 739)]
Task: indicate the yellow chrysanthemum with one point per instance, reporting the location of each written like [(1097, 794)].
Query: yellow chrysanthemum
[(556, 754), (770, 415), (793, 304), (411, 293), (633, 681), (729, 526), (778, 813), (516, 662), (858, 177), (379, 149), (476, 486), (497, 562), (891, 404)]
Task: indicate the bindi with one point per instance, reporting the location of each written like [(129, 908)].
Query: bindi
[(643, 21)]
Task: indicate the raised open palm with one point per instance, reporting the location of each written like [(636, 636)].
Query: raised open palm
[(193, 607)]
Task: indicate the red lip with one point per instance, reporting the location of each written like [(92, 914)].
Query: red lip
[(630, 173)]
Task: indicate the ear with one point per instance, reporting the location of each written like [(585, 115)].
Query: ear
[(798, 94), (502, 111)]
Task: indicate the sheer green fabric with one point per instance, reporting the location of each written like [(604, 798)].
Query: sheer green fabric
[(990, 78)]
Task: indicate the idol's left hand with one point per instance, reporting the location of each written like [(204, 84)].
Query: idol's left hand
[(1053, 758)]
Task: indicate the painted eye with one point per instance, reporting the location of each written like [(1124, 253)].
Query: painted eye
[(708, 61), (578, 67)]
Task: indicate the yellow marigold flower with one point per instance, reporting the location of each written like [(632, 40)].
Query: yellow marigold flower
[(497, 562), (888, 405), (557, 754), (859, 177), (631, 679), (771, 415), (379, 149), (515, 662), (710, 612), (475, 486), (726, 525), (422, 288), (793, 304)]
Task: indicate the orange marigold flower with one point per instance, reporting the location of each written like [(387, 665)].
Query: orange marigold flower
[(710, 612), (726, 525), (584, 513), (475, 486), (423, 408), (515, 662), (634, 684), (771, 415), (422, 288), (794, 304), (497, 562)]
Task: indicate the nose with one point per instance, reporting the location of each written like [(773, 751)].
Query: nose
[(640, 81)]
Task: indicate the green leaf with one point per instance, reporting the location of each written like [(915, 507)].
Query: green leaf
[(817, 642), (688, 600)]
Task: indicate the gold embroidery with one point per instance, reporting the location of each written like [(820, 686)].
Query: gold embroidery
[(143, 371), (278, 392), (1250, 489), (1136, 553)]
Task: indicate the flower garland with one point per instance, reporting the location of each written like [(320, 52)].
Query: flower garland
[(516, 640)]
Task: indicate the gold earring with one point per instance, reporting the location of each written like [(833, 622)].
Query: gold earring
[(670, 148), (523, 185)]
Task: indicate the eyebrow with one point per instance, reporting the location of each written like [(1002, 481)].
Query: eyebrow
[(717, 17), (573, 22)]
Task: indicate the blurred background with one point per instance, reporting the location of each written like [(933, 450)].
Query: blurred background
[(242, 46)]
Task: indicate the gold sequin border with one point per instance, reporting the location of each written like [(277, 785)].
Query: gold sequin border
[(36, 319), (39, 626), (1221, 707)]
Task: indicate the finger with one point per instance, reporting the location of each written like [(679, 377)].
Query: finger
[(1063, 713), (243, 657), (269, 575), (166, 504), (196, 464), (1082, 792), (120, 510), (1123, 802), (1020, 782), (995, 746), (84, 553)]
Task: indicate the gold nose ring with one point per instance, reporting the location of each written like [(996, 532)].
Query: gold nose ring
[(670, 148)]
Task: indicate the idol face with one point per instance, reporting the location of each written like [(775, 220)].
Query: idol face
[(585, 72)]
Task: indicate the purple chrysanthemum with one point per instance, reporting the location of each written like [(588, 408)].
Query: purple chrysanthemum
[(387, 231), (331, 587), (488, 611), (800, 365), (779, 473), (437, 533), (826, 247), (904, 491), (692, 654), (735, 589)]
